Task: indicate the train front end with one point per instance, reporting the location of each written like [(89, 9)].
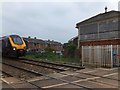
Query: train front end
[(18, 45)]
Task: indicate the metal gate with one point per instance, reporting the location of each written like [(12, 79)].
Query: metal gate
[(101, 56), (116, 55)]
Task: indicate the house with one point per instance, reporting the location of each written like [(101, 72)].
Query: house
[(99, 40), (35, 45), (39, 45)]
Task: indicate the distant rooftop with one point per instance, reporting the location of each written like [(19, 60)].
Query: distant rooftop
[(35, 40)]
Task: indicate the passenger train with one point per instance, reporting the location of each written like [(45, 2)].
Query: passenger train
[(13, 46)]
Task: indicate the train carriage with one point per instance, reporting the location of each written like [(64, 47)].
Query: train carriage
[(13, 46)]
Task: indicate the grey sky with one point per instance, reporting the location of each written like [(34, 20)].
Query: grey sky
[(49, 20)]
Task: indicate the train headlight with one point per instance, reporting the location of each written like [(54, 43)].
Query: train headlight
[(14, 48)]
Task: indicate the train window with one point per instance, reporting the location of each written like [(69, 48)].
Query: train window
[(17, 39)]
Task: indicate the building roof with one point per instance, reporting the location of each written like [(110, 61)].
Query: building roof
[(99, 17), (42, 41), (34, 40), (53, 42), (73, 38)]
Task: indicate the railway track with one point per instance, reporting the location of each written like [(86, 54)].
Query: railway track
[(65, 81), (92, 77), (43, 65), (50, 65), (53, 65), (5, 74), (23, 69), (19, 72), (40, 74), (29, 67), (30, 64)]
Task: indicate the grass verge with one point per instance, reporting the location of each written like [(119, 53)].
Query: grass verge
[(53, 58)]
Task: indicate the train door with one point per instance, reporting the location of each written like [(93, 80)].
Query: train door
[(3, 45), (6, 47)]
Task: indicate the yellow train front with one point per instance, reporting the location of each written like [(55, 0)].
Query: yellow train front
[(13, 46)]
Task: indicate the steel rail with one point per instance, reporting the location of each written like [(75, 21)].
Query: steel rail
[(38, 64), (24, 69), (24, 80), (57, 64), (3, 72)]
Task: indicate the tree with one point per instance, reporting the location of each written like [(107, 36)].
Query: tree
[(48, 49), (71, 50)]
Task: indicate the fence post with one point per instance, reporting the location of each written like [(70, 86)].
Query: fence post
[(82, 56), (111, 57)]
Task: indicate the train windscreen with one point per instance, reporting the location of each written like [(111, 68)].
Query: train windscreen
[(16, 39)]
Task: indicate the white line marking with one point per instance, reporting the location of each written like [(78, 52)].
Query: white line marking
[(108, 69), (109, 74), (55, 85), (101, 84), (87, 79), (71, 82), (99, 81), (6, 81), (90, 71)]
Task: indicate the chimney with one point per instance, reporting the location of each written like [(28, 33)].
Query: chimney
[(105, 9), (29, 37)]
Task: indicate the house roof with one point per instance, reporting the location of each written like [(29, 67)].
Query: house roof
[(99, 17), (34, 40), (53, 42), (42, 41), (73, 38)]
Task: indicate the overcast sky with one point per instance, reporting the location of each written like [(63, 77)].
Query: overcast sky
[(49, 20)]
